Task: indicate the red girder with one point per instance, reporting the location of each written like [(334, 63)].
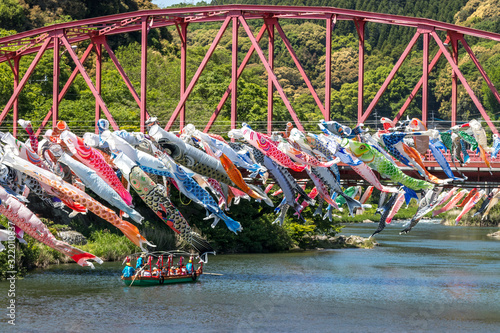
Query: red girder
[(120, 24), (257, 11), (30, 44)]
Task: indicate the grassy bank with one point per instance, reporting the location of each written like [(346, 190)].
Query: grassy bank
[(468, 220), (34, 254), (369, 214), (491, 220)]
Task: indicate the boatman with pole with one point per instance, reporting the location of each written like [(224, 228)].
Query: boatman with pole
[(128, 271)]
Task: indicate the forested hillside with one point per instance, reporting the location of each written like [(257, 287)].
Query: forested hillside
[(382, 37), (384, 45)]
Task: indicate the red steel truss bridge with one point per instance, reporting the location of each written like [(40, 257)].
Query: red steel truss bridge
[(64, 37)]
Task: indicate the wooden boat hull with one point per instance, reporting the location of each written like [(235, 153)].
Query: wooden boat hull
[(155, 281)]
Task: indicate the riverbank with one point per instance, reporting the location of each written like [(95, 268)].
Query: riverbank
[(469, 220), (495, 235), (338, 242)]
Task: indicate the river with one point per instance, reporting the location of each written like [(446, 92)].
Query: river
[(436, 278)]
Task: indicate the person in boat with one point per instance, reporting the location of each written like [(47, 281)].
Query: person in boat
[(140, 261), (157, 271), (128, 271), (189, 267), (183, 270)]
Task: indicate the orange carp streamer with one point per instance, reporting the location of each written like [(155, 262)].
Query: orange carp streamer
[(236, 177), (418, 159)]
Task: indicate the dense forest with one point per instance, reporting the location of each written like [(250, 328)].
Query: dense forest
[(384, 45)]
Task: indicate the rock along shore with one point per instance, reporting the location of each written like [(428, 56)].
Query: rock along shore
[(338, 242)]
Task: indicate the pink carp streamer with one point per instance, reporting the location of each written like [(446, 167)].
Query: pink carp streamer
[(322, 189), (364, 171), (367, 194), (217, 136), (268, 188), (94, 160), (447, 196), (29, 154), (24, 218), (78, 196), (237, 195), (451, 204), (468, 206), (29, 129), (267, 147), (215, 185), (313, 194), (397, 205), (303, 158)]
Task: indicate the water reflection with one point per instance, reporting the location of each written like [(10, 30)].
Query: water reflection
[(435, 278)]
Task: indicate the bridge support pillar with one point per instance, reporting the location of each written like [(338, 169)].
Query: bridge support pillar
[(270, 87), (196, 76), (271, 74), (89, 82), (55, 83), (464, 82), (234, 74), (360, 27), (454, 78), (425, 78), (418, 85), (98, 82), (390, 77), (144, 71), (183, 36), (25, 78), (65, 88), (330, 25), (480, 68), (240, 70)]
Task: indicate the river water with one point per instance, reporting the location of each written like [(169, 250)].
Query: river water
[(436, 278)]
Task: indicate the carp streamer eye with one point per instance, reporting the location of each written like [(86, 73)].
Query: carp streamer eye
[(363, 147)]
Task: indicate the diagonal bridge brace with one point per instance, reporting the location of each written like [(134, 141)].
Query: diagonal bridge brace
[(466, 85), (390, 77), (271, 73), (89, 82), (229, 88), (196, 76)]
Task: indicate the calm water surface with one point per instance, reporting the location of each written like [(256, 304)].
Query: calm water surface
[(436, 278)]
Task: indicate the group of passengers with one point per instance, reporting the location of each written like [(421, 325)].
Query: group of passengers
[(181, 269)]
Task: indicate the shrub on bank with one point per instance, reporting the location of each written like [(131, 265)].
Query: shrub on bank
[(109, 246), (297, 233)]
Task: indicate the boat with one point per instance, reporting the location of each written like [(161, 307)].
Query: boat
[(162, 279), (160, 274)]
